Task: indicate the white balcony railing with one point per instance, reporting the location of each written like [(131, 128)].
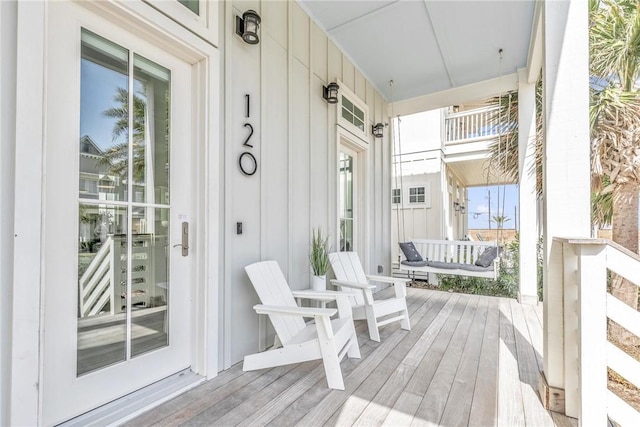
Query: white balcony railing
[(586, 307), (467, 125)]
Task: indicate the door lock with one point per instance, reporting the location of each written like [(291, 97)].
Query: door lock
[(185, 239)]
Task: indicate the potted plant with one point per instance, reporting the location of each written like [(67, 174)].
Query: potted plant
[(319, 258)]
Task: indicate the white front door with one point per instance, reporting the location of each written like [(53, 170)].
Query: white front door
[(347, 199), (118, 188)]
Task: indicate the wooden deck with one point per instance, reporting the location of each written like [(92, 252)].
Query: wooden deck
[(468, 360)]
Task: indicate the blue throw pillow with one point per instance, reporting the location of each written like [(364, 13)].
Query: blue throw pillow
[(487, 257), (410, 252)]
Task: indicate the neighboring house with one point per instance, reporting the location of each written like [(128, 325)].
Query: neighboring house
[(429, 194), (233, 155)]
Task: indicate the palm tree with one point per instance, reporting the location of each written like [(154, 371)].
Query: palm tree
[(614, 38), (500, 220), (504, 149), (116, 157)]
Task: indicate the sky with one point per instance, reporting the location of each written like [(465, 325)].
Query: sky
[(478, 205), (99, 85)]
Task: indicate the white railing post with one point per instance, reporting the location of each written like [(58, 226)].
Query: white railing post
[(570, 273), (592, 334)]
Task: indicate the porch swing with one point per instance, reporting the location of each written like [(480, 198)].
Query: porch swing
[(449, 257)]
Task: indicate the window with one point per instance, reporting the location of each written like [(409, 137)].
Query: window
[(352, 114), (396, 196), (417, 195), (192, 5)]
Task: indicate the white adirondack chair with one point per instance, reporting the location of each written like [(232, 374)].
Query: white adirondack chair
[(350, 275), (327, 339)]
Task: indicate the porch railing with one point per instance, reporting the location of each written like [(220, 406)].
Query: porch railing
[(97, 282), (470, 125), (587, 306)]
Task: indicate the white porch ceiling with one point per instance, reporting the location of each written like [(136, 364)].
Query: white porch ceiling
[(428, 46)]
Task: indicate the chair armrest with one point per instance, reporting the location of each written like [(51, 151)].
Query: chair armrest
[(354, 285), (294, 311), (399, 285), (387, 279), (321, 295)]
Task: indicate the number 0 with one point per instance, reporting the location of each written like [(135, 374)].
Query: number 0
[(253, 164)]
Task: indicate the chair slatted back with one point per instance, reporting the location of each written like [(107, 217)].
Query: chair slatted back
[(272, 289), (347, 266)]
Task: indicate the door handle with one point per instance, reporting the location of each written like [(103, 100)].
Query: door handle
[(185, 239)]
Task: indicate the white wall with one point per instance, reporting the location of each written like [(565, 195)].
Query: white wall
[(8, 21), (420, 132), (295, 188)]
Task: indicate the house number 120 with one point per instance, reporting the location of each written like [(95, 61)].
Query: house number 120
[(247, 161)]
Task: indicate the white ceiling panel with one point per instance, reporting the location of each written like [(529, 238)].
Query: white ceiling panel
[(427, 46), (372, 43)]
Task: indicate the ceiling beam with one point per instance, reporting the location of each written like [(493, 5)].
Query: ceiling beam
[(454, 96), (534, 58)]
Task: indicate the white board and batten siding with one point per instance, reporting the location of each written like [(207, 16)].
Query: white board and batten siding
[(294, 142)]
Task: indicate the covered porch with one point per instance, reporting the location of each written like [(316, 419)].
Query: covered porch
[(468, 360)]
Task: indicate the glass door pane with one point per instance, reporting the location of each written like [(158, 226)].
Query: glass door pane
[(347, 217), (123, 255)]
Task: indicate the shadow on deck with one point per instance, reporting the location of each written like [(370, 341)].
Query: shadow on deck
[(468, 360)]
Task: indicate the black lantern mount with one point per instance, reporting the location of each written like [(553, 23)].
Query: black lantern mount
[(377, 129), (330, 92), (247, 27)]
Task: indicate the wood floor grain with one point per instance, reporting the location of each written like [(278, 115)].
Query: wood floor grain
[(467, 361)]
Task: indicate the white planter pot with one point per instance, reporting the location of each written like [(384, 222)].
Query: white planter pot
[(319, 283)]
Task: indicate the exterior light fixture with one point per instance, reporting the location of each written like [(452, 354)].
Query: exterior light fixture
[(377, 129), (463, 209), (330, 92), (247, 27), (456, 206)]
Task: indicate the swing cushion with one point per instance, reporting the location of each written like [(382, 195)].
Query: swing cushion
[(487, 257), (416, 263), (410, 252)]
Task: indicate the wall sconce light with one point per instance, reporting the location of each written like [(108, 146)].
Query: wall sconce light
[(459, 207), (463, 209), (247, 27), (377, 129), (330, 92)]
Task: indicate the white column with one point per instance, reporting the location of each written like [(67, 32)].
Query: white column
[(27, 238), (8, 18), (566, 166), (528, 293)]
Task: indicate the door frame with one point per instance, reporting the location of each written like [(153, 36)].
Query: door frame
[(349, 141), (29, 291)]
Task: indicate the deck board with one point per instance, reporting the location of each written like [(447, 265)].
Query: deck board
[(528, 369), (468, 360), (510, 406), (484, 408), (465, 380), (434, 401)]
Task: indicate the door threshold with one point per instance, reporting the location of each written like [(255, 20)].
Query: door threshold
[(130, 406)]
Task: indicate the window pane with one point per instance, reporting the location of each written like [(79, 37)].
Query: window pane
[(150, 132), (347, 104), (104, 106), (149, 279), (358, 113), (346, 202), (192, 5), (347, 116), (102, 280)]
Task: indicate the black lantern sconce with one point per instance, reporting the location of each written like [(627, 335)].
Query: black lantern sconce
[(330, 92), (377, 129), (247, 27)]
